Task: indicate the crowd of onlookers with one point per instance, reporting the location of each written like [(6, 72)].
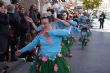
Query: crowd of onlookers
[(15, 29)]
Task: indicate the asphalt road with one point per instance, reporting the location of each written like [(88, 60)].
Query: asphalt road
[(95, 58)]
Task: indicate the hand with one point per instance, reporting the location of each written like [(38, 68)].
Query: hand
[(5, 11), (29, 19), (18, 53), (59, 55)]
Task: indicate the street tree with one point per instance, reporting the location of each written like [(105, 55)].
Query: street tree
[(91, 4)]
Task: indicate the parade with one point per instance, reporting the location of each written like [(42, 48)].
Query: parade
[(44, 35)]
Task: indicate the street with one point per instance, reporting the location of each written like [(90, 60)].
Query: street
[(31, 43), (95, 57)]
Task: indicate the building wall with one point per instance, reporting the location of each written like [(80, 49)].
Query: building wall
[(7, 1), (105, 5), (27, 3)]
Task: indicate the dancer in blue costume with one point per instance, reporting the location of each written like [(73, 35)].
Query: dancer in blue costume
[(64, 24), (67, 41), (49, 59)]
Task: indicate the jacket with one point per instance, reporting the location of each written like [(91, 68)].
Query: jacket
[(4, 24)]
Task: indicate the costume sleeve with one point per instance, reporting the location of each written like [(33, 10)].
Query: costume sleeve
[(31, 45), (73, 23), (39, 28), (60, 32)]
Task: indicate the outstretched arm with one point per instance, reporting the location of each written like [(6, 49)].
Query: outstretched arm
[(30, 46)]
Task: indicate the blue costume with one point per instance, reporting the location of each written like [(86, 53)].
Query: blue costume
[(48, 49), (67, 41), (60, 25), (48, 60), (74, 31)]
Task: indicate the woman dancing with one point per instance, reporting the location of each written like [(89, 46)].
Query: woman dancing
[(49, 58)]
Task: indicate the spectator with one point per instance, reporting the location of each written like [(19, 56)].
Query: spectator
[(56, 7), (25, 25), (3, 31), (14, 30), (46, 6), (102, 20), (34, 14)]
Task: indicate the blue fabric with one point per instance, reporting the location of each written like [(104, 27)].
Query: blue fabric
[(73, 23), (61, 25), (83, 19), (78, 19), (48, 49), (39, 28), (75, 30), (84, 35), (54, 25)]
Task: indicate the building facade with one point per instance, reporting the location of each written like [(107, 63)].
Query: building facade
[(105, 5), (7, 1)]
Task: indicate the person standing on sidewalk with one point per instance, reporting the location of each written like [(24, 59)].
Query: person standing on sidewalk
[(102, 20), (14, 23), (4, 23)]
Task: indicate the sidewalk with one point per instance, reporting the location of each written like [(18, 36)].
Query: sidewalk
[(13, 65)]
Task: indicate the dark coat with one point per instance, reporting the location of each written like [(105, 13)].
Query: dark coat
[(4, 24), (35, 15), (24, 24), (18, 22), (14, 21), (102, 18)]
